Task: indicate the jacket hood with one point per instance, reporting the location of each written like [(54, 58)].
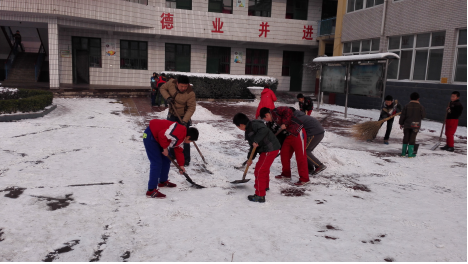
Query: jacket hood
[(265, 90)]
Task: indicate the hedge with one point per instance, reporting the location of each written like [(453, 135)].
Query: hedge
[(30, 101), (225, 86)]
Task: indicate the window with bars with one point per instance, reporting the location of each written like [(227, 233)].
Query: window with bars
[(93, 46), (143, 2), (460, 61), (133, 55), (177, 57), (367, 46), (260, 8), (220, 6), (218, 60), (420, 56), (297, 9), (355, 5), (179, 4), (256, 62)]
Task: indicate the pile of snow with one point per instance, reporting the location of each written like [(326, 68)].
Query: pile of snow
[(8, 93)]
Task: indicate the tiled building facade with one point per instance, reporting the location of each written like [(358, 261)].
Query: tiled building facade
[(155, 26)]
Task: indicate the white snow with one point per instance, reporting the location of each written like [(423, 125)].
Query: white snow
[(256, 78), (415, 211), (376, 56), (6, 89)]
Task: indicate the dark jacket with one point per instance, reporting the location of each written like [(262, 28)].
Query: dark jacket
[(455, 110), (285, 115), (153, 82), (311, 125), (274, 128), (389, 110), (412, 112), (306, 105), (257, 131)]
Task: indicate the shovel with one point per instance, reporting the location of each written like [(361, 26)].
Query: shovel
[(185, 174), (442, 131), (246, 169)]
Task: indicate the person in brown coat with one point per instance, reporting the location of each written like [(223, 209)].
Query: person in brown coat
[(179, 93), (410, 122)]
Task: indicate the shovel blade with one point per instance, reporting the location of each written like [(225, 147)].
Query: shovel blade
[(240, 181), (435, 146)]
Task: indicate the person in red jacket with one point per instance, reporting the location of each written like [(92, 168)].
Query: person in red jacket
[(295, 142), (454, 111), (158, 137), (267, 100)]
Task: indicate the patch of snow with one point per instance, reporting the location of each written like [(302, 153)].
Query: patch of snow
[(255, 78)]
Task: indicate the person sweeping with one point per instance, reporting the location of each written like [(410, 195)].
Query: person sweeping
[(390, 108), (410, 122)]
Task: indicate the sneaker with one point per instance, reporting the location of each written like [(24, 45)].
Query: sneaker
[(385, 142), (187, 163), (281, 177), (450, 149), (444, 147), (256, 198), (167, 184), (155, 194), (301, 183), (320, 168)]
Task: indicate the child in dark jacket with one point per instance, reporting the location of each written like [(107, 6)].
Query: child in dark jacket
[(259, 136), (390, 107), (410, 122), (305, 104), (153, 81), (454, 111)]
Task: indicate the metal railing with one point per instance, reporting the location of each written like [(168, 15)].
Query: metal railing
[(327, 26), (10, 60), (40, 59)]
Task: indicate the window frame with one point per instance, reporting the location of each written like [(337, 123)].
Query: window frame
[(294, 4), (138, 2), (175, 58), (456, 56), (219, 64), (360, 52), (129, 48), (89, 50), (269, 12), (364, 6), (232, 7), (176, 1), (252, 64)]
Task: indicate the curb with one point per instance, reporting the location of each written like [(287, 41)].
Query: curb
[(9, 118)]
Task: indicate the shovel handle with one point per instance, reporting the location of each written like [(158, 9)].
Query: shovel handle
[(180, 169), (445, 119), (250, 159)]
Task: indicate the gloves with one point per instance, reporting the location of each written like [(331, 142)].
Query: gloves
[(184, 123), (170, 100)]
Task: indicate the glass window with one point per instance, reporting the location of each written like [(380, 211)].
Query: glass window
[(260, 8), (355, 46), (438, 39), (422, 40), (297, 9), (256, 62), (347, 47), (407, 42), (93, 46), (179, 4), (218, 60), (375, 44), (405, 64), (392, 72), (365, 45), (394, 43), (220, 6), (171, 4), (177, 57), (359, 4), (369, 3), (462, 37), (435, 64), (420, 65), (460, 70), (379, 2), (133, 55), (350, 6)]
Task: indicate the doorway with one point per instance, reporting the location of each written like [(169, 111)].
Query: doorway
[(293, 67), (82, 66)]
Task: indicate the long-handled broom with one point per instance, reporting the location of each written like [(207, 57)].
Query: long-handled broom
[(368, 130)]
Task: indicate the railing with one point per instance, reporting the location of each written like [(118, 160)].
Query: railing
[(327, 27), (40, 59), (10, 59)]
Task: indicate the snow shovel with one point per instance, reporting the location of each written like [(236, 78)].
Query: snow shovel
[(441, 131), (246, 169), (185, 174)]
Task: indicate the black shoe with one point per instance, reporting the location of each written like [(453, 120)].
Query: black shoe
[(256, 198), (319, 169), (267, 189), (450, 149), (187, 163), (444, 147)]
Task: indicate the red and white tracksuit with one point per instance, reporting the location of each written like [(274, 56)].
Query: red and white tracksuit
[(295, 145), (262, 171), (450, 129)]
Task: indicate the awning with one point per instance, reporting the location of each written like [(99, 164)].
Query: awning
[(365, 57)]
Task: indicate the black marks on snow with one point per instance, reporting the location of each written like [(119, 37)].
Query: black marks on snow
[(389, 160), (2, 171), (56, 203), (382, 235), (91, 117), (360, 187), (1, 235), (376, 240), (355, 196), (98, 251), (47, 130), (389, 259), (67, 248), (330, 227), (330, 237), (441, 189), (292, 191), (230, 192), (14, 152), (117, 113), (320, 201), (90, 184), (13, 192), (456, 165), (125, 256), (121, 182), (35, 162)]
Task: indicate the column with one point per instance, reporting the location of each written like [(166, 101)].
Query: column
[(53, 52)]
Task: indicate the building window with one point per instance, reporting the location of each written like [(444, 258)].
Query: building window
[(220, 6), (93, 46), (143, 2), (256, 62), (133, 55), (460, 62), (260, 8), (179, 4), (297, 9), (420, 56), (177, 57), (218, 60), (367, 46), (355, 5)]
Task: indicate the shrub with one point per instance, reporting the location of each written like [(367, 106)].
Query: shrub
[(8, 93), (225, 86), (28, 101)]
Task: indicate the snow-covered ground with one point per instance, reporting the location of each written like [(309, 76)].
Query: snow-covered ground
[(73, 189)]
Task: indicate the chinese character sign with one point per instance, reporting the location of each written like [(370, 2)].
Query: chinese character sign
[(307, 32), (264, 29), (217, 25), (167, 21)]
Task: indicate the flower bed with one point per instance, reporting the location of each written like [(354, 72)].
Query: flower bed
[(8, 93), (23, 100)]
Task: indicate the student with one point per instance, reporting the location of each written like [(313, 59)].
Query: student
[(410, 122), (295, 142), (153, 81), (454, 111), (259, 136), (268, 99), (389, 108), (158, 137), (305, 104), (159, 83), (17, 37)]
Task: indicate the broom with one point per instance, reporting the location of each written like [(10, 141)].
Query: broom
[(368, 130)]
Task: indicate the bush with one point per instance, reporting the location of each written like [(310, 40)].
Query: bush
[(225, 86), (8, 93), (29, 101)]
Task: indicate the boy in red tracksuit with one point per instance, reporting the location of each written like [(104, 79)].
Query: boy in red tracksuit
[(266, 143), (454, 111), (295, 142), (158, 137)]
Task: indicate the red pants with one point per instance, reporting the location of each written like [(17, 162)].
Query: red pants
[(309, 112), (450, 128), (296, 145), (262, 171)]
